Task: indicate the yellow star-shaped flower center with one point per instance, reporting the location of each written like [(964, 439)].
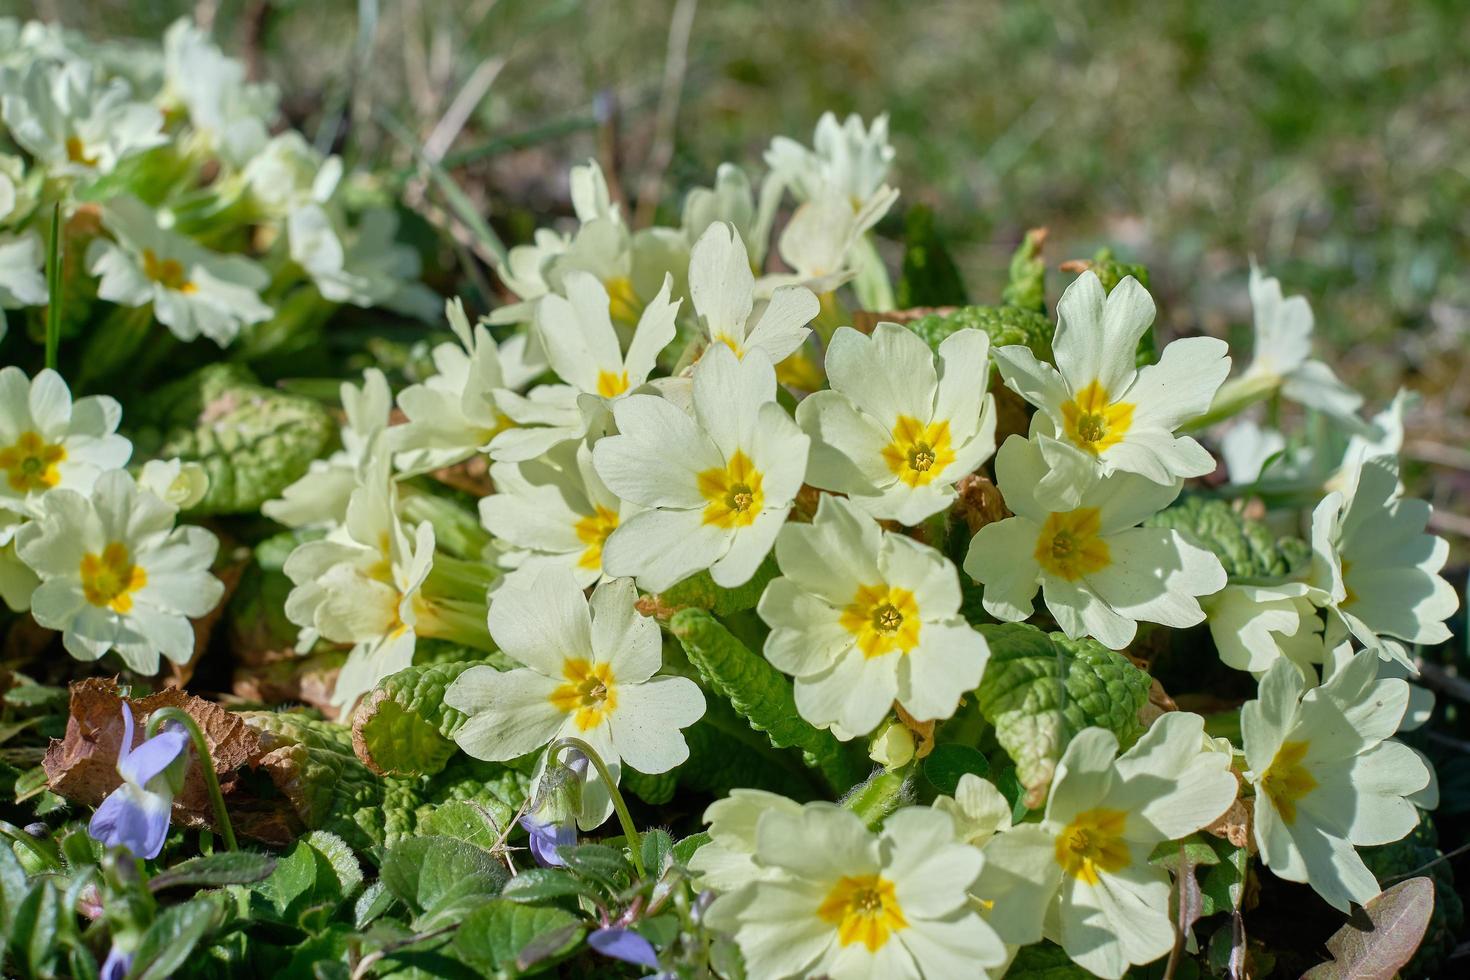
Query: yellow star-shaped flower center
[(30, 463), (76, 152), (865, 909), (168, 273), (881, 619), (1287, 780), (1092, 422), (611, 385), (733, 493), (623, 303), (1070, 546), (593, 531), (1093, 842), (589, 694), (918, 453), (111, 578)]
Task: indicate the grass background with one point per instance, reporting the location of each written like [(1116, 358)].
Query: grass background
[(1329, 139)]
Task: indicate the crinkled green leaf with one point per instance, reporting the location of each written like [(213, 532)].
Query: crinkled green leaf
[(1040, 690), (403, 727), (1248, 549), (252, 441), (496, 937), (1004, 324), (654, 790), (928, 276), (214, 870), (1026, 286), (760, 693), (430, 874), (699, 591)]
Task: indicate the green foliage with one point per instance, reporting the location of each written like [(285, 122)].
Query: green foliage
[(1247, 548), (214, 870), (699, 591), (173, 936), (1045, 961), (252, 441), (1026, 287), (760, 693), (403, 727), (441, 878), (946, 764), (505, 938), (1004, 324), (1040, 690), (928, 276)]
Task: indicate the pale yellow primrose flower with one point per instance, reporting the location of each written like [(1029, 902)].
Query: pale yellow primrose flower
[(1255, 625), (1328, 778), (588, 673), (116, 574), (75, 122), (722, 289), (847, 157), (1081, 877), (727, 862), (978, 809), (838, 900), (900, 425), (718, 486), (1374, 567), (553, 511), (1100, 573), (1096, 402), (863, 617)]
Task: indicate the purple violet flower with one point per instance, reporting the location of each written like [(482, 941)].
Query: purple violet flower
[(625, 945), (117, 965), (136, 814), (546, 838)]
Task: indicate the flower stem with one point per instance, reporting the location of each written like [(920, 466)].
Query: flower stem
[(156, 721), (53, 289), (635, 843)]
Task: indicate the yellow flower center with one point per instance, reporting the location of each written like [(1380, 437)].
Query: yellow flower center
[(30, 463), (733, 492), (1286, 780), (168, 273), (590, 693), (1349, 596), (1069, 545), (623, 304), (918, 452), (1093, 842), (111, 578), (730, 342), (1092, 423), (611, 385), (76, 152), (592, 531), (865, 909), (882, 619)]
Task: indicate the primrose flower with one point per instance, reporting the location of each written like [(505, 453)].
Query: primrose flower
[(1376, 569), (362, 264), (1094, 399), (900, 425), (818, 242), (1255, 625), (22, 282), (75, 122), (978, 810), (362, 585), (194, 291), (1327, 776), (722, 288), (731, 201), (581, 344), (863, 617), (135, 816), (48, 441), (526, 268), (588, 673), (717, 486), (728, 861), (847, 157), (844, 902), (553, 511), (319, 498), (1081, 877), (1281, 353), (230, 115), (116, 574), (179, 484), (469, 406), (1100, 573)]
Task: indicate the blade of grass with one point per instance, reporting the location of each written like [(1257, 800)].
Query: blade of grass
[(53, 290)]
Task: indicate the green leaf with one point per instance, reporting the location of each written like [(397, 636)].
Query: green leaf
[(214, 870), (657, 846), (1248, 549), (654, 790), (170, 940), (463, 820), (305, 881), (1026, 287), (1040, 690), (494, 937), (1381, 937), (543, 884), (340, 858), (428, 874), (403, 727), (761, 694), (928, 276), (944, 766), (1045, 961), (251, 440), (1003, 324), (599, 862), (33, 927), (684, 849), (699, 591)]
